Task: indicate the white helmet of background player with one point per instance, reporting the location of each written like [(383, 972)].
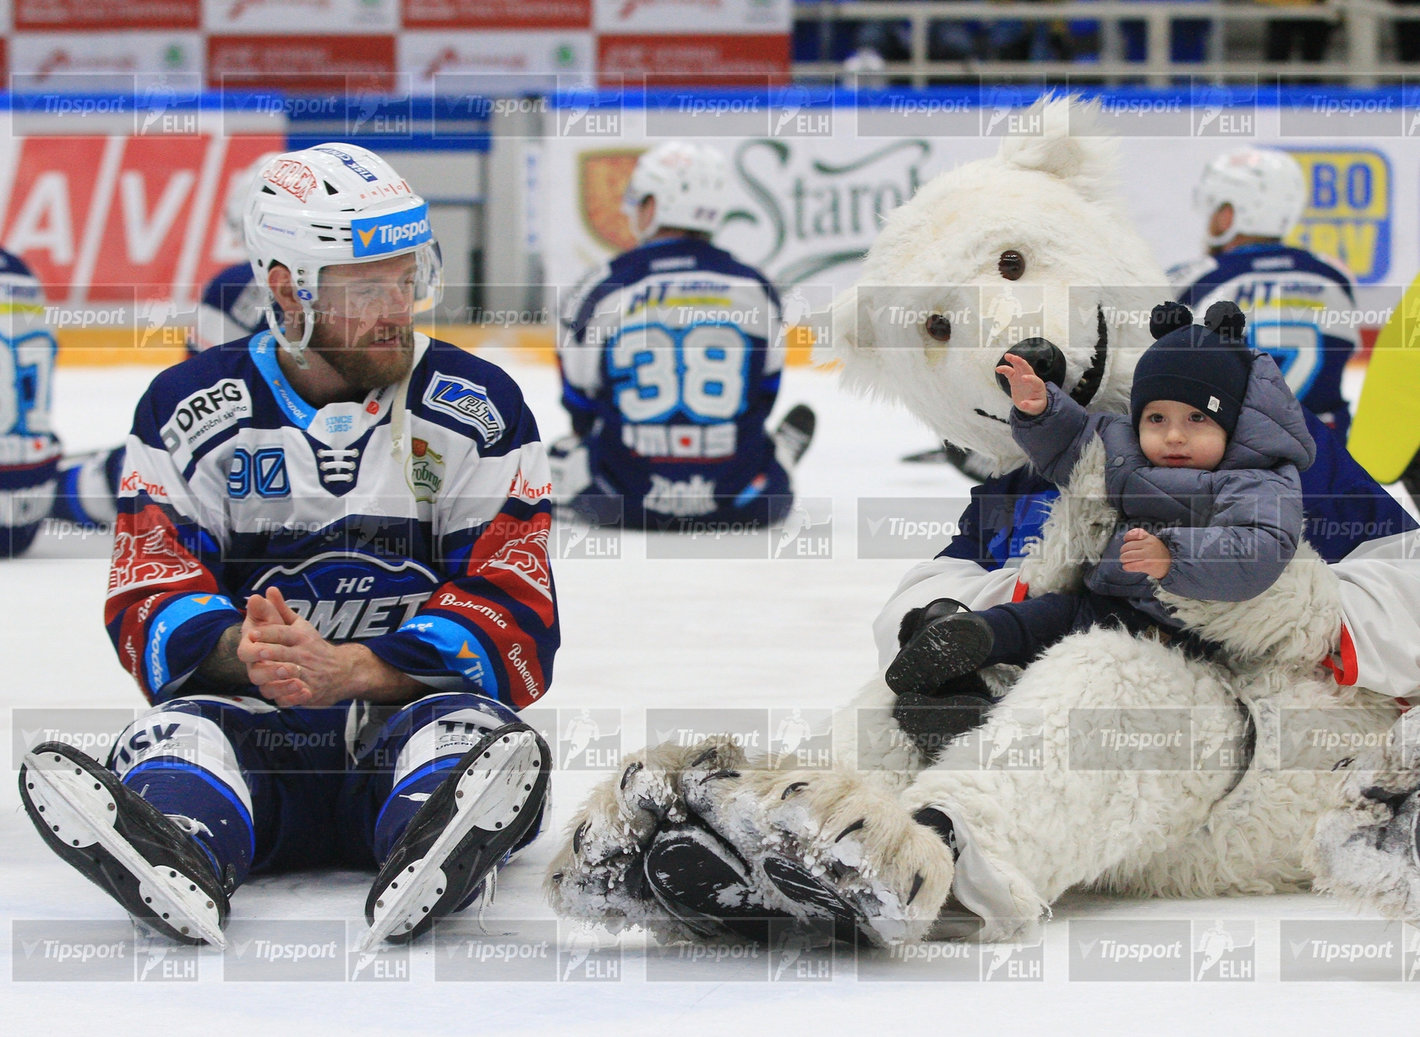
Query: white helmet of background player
[(689, 182), (1265, 187), (332, 205)]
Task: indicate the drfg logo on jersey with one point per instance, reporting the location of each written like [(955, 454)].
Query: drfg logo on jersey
[(381, 235), (196, 418)]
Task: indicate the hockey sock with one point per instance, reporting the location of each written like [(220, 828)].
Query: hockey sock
[(204, 807)]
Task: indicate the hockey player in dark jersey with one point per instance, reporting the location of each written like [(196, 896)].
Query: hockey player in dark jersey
[(330, 576), (671, 356), (1300, 307)]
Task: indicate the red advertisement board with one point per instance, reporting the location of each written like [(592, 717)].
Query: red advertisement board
[(497, 14), (108, 219), (317, 64), (731, 60), (108, 14)]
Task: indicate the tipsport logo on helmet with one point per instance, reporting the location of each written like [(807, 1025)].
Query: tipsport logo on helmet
[(396, 232)]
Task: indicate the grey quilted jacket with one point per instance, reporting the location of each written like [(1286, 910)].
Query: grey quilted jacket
[(1230, 531)]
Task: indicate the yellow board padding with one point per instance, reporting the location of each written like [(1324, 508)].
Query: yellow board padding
[(98, 347), (1385, 432)]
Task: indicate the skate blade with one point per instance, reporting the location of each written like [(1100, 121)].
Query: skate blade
[(489, 795), (84, 815)]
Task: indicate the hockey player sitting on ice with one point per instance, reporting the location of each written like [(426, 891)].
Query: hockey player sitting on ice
[(1300, 307), (330, 575), (671, 356), (1209, 459), (29, 450), (232, 307)]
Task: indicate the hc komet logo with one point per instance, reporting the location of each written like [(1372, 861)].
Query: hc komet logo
[(378, 235)]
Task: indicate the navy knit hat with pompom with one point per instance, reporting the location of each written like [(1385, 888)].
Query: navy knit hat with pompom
[(1205, 366)]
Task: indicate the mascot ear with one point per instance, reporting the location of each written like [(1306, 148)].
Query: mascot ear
[(1226, 321), (1169, 316), (1069, 145)]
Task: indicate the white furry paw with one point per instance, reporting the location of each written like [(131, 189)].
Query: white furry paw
[(598, 873), (1367, 851), (832, 841)]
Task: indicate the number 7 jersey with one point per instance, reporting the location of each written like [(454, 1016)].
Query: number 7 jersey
[(671, 357)]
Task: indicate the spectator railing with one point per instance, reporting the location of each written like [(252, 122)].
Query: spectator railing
[(1358, 40)]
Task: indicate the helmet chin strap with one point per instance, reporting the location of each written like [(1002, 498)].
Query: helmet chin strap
[(296, 350)]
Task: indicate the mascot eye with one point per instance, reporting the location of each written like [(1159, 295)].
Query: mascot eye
[(938, 327), (1011, 264)]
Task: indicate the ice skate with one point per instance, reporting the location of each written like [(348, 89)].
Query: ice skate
[(460, 835), (140, 857)]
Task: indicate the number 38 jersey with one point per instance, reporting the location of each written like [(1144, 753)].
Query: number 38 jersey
[(1300, 308), (671, 357)]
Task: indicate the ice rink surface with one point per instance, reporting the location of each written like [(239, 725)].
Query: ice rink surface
[(640, 633)]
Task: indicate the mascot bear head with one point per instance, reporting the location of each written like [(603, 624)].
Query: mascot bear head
[(1029, 251)]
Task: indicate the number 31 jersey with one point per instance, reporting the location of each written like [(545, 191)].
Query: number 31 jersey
[(671, 357)]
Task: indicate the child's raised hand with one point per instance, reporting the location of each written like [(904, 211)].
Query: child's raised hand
[(1027, 388)]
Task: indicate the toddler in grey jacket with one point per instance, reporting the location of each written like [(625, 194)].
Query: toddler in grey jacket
[(1205, 471)]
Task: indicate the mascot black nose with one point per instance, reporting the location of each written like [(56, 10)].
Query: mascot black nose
[(1044, 358)]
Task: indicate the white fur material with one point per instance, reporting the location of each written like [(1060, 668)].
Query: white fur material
[(1050, 794), (1366, 849), (1050, 199)]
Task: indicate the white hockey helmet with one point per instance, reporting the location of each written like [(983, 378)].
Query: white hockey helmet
[(1264, 186), (332, 205), (239, 191), (690, 183)]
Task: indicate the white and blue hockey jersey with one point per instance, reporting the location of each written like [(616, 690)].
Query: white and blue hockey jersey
[(414, 521), (29, 450), (1300, 308), (671, 357)]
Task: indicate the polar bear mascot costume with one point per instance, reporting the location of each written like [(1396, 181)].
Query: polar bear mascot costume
[(1113, 762)]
